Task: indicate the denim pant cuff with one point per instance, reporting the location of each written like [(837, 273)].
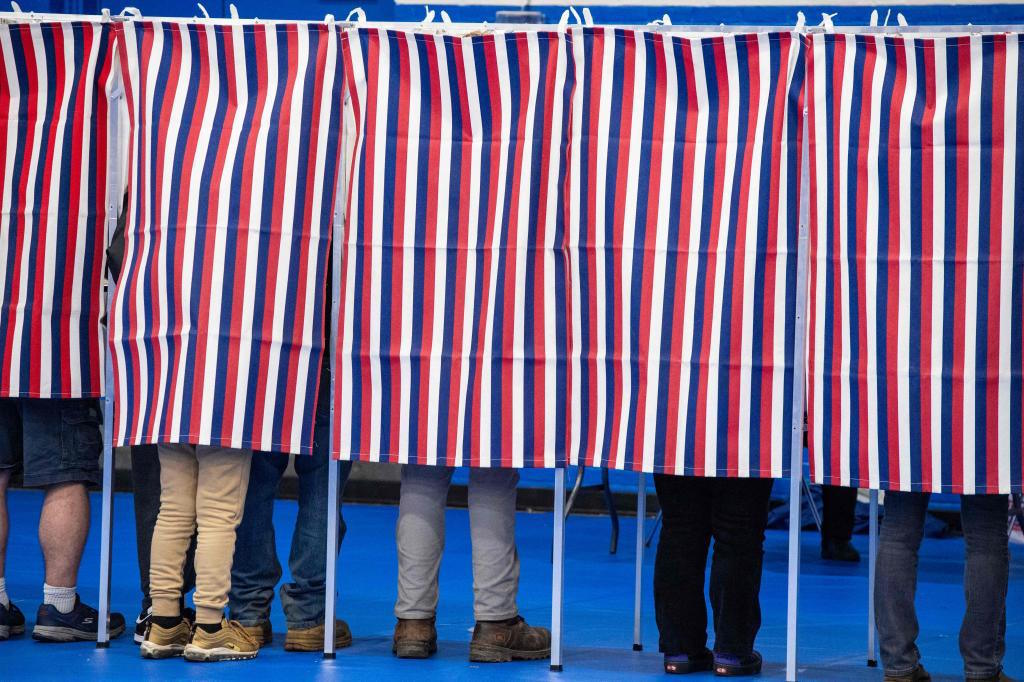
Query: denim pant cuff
[(901, 672), (990, 674), (303, 624)]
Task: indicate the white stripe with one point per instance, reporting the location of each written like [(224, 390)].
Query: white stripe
[(971, 266), (820, 169), (408, 257), (903, 324), (661, 246), (1010, 226), (938, 258), (845, 104), (7, 218), (700, 149), (575, 199), (440, 253)]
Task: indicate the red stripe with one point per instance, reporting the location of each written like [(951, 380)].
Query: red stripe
[(835, 454), (401, 145), (960, 295), (870, 50), (815, 228), (591, 455), (927, 264)]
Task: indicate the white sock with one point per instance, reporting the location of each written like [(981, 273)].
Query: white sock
[(62, 598), (4, 599)]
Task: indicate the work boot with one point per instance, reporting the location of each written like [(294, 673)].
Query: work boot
[(918, 674), (508, 640), (261, 633), (161, 642), (312, 639), (414, 638), (230, 643)]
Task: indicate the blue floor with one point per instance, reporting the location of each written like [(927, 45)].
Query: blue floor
[(598, 607)]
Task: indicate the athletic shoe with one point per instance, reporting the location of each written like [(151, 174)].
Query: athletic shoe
[(142, 622), (729, 665), (682, 664), (161, 642), (77, 625), (508, 640), (312, 639), (414, 638), (262, 633), (12, 621), (230, 643)]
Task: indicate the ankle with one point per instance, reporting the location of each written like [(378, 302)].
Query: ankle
[(166, 622), (61, 598), (210, 628)]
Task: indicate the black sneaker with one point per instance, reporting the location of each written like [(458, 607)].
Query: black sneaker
[(78, 625), (142, 622), (12, 621), (837, 550), (683, 664), (729, 665)]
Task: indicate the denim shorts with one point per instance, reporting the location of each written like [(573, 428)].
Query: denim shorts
[(52, 441)]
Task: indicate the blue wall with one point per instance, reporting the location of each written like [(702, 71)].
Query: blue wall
[(386, 10)]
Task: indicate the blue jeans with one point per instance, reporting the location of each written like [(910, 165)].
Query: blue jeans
[(986, 572), (256, 569)]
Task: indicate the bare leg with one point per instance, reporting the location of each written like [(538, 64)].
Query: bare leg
[(63, 528)]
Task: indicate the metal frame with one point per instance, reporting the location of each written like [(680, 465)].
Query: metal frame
[(872, 557), (796, 473), (638, 578), (114, 185), (557, 570)]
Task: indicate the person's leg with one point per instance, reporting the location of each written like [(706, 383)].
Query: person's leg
[(10, 459), (223, 477), (986, 574), (5, 479), (680, 565), (738, 518), (63, 528), (839, 505), (896, 581), (420, 539), (256, 569), (175, 525), (492, 521)]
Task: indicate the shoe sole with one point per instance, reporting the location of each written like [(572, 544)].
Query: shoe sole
[(737, 670), (488, 653), (55, 633), (414, 649), (198, 655), (687, 668), (8, 631), (311, 644), (158, 651)]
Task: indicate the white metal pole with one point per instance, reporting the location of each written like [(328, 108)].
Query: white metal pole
[(797, 445), (638, 584), (872, 556), (557, 571), (331, 557), (114, 196)]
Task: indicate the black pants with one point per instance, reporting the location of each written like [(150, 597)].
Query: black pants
[(839, 506), (734, 512), (146, 491)]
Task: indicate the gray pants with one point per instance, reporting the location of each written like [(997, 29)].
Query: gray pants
[(420, 538)]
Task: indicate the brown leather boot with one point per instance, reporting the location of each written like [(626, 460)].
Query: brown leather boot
[(508, 640), (415, 638)]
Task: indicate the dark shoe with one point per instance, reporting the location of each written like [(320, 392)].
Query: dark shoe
[(414, 638), (312, 639), (142, 622), (728, 665), (682, 664), (918, 674), (998, 677), (77, 625), (832, 550), (12, 621), (508, 640)]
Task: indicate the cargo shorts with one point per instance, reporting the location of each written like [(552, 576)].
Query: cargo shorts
[(51, 441)]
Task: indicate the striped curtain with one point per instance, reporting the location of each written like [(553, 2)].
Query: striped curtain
[(218, 317), (683, 233), (917, 262), (453, 331), (54, 118)]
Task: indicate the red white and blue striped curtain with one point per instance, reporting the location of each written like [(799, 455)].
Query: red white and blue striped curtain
[(218, 317), (915, 363), (54, 118), (683, 230), (453, 339)]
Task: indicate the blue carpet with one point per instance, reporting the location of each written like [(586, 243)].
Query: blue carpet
[(598, 607)]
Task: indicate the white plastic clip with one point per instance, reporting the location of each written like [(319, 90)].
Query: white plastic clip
[(576, 15), (233, 11), (588, 18), (902, 20), (801, 21), (15, 7), (203, 10), (445, 18), (563, 20), (358, 13), (105, 15), (664, 21), (826, 22), (329, 19), (873, 22), (429, 18), (888, 13), (132, 12)]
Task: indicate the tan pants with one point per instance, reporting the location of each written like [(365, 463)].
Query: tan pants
[(205, 485)]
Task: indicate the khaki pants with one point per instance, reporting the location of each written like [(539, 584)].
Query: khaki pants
[(204, 485)]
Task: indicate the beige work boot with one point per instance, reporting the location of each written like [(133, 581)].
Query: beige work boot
[(164, 642), (312, 639), (230, 643)]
